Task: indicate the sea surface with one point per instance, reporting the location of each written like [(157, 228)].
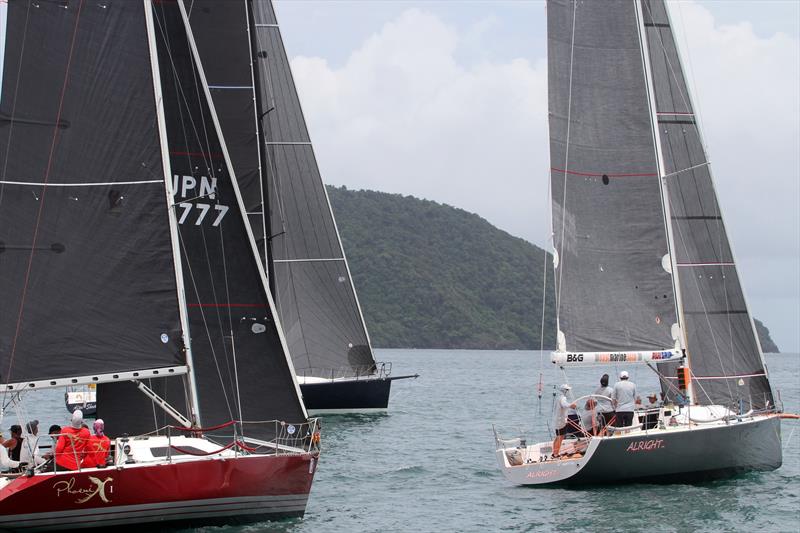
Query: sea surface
[(428, 464)]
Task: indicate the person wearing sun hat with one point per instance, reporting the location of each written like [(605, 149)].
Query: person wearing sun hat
[(563, 408)]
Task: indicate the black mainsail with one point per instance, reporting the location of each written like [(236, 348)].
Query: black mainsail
[(84, 233), (644, 262), (300, 244), (240, 362)]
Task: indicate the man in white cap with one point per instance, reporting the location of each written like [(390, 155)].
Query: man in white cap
[(625, 400), (563, 408)]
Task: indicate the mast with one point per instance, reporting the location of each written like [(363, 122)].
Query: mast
[(173, 223), (263, 164), (680, 339)]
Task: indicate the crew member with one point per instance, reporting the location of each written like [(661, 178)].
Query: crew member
[(562, 410), (30, 446), (603, 396), (14, 443), (97, 449), (625, 400), (72, 443)]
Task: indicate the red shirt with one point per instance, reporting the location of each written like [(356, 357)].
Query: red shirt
[(70, 446), (96, 451)]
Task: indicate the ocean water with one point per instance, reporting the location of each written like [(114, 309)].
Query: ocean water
[(428, 464)]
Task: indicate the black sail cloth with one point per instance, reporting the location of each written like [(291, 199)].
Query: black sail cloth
[(313, 288), (613, 292), (87, 281), (720, 336), (241, 369)]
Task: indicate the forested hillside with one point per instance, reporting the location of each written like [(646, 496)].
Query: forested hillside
[(433, 276), (429, 275)]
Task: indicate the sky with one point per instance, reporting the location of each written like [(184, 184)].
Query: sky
[(447, 100)]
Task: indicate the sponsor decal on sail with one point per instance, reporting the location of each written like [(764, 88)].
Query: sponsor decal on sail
[(84, 494)]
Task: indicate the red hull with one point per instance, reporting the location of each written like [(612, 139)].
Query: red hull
[(244, 488)]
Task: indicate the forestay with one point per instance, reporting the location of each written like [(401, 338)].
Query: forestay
[(614, 289), (87, 279), (721, 339)]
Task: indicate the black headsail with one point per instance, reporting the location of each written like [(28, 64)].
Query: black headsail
[(613, 291), (240, 364), (298, 238), (724, 352), (87, 278)]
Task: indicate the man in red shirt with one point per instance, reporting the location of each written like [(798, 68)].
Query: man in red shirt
[(96, 451), (72, 443)]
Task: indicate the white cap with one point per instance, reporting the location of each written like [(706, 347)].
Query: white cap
[(564, 387), (77, 418), (623, 374)]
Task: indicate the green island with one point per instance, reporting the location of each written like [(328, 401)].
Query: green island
[(430, 275)]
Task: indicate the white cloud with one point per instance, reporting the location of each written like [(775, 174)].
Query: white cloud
[(403, 115), (415, 110)]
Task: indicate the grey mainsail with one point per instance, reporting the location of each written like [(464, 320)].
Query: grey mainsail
[(724, 352), (311, 281), (613, 292), (84, 233), (626, 154)]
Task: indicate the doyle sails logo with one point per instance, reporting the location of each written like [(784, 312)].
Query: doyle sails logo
[(84, 494), (645, 445), (198, 203)]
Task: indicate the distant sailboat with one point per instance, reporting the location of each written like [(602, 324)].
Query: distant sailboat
[(291, 214), (127, 261), (644, 270)]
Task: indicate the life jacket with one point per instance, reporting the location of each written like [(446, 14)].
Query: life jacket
[(96, 451), (70, 447)]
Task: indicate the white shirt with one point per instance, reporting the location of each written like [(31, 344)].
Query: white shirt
[(603, 405), (562, 409), (625, 394), (30, 451), (5, 460)]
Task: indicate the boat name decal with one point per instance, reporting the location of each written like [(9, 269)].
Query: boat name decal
[(186, 188), (645, 445), (541, 473), (84, 494)]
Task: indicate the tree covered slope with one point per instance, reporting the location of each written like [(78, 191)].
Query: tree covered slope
[(429, 275)]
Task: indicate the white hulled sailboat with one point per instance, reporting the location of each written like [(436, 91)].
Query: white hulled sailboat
[(644, 272)]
